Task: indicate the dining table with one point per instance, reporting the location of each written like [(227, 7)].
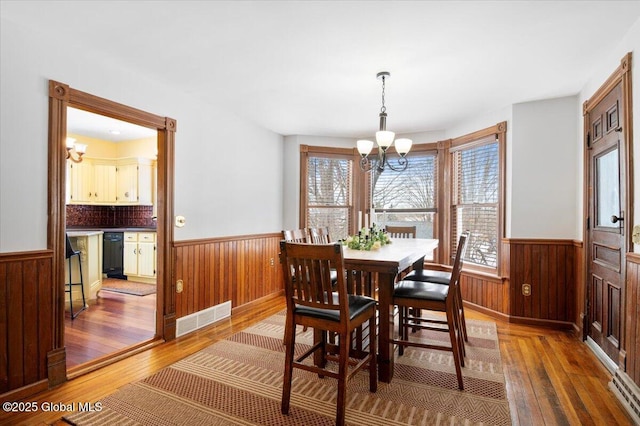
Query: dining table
[(377, 271)]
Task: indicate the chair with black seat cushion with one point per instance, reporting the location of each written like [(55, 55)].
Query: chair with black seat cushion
[(401, 231), (319, 235), (295, 235), (444, 277), (70, 253), (312, 301), (417, 296)]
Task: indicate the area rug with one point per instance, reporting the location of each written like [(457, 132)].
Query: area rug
[(128, 287), (238, 381)]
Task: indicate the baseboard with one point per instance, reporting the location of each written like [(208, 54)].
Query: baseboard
[(628, 393), (256, 303), (601, 355), (25, 391)]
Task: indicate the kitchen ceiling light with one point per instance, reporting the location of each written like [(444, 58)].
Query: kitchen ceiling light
[(384, 139), (75, 151)]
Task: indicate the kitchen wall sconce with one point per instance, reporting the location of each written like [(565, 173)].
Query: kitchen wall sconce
[(384, 139), (75, 151)]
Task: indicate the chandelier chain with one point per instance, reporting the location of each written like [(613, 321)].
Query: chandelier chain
[(384, 108)]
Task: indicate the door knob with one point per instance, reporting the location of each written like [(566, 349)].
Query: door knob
[(615, 219)]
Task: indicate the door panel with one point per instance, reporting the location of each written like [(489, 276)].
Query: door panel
[(606, 244)]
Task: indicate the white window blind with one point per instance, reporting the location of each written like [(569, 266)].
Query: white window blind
[(475, 201), (329, 194)]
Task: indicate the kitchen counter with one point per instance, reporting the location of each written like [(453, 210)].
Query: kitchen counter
[(84, 233)]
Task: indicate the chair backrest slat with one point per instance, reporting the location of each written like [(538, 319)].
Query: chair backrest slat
[(401, 231)]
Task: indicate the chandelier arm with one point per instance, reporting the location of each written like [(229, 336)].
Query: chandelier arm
[(402, 164)]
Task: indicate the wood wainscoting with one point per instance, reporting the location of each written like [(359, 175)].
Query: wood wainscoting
[(632, 320), (27, 309), (240, 269), (550, 269)]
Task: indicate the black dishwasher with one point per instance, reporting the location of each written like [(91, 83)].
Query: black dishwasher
[(113, 255)]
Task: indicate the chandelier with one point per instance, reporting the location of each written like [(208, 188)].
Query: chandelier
[(75, 151), (384, 139)]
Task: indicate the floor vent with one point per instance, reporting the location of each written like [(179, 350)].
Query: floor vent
[(200, 319)]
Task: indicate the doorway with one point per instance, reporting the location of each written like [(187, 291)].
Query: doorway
[(608, 210), (61, 97), (115, 233)]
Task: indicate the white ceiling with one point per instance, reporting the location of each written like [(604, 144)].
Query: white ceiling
[(309, 67)]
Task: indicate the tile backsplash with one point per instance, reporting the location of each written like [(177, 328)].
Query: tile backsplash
[(110, 216)]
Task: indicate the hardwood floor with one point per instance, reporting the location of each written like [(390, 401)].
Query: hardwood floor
[(114, 322), (552, 378)]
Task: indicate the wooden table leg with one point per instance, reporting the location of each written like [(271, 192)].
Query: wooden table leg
[(385, 327)]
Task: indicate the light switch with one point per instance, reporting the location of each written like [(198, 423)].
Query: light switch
[(180, 221)]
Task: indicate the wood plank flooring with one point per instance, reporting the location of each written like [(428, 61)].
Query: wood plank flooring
[(552, 378), (114, 322)]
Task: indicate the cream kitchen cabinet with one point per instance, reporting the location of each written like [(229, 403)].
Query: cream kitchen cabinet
[(134, 178), (113, 182), (140, 255)]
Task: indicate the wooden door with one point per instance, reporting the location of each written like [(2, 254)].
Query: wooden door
[(606, 242)]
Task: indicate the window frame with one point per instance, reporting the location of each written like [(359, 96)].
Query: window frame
[(307, 151), (420, 149), (488, 135), (443, 222)]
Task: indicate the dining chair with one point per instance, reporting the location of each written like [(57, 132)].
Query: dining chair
[(319, 235), (312, 301), (295, 235), (444, 277), (418, 296), (401, 231)]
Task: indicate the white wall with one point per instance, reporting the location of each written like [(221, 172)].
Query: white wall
[(230, 184), (543, 164)]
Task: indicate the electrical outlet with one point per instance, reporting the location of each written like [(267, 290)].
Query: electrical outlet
[(179, 286), (526, 289)]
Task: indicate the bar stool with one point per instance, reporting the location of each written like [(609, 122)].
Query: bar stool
[(70, 252)]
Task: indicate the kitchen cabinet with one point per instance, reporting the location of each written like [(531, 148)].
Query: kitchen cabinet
[(89, 243), (134, 180), (126, 181), (140, 255)]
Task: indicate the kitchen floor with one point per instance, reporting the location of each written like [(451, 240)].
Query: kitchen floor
[(114, 322)]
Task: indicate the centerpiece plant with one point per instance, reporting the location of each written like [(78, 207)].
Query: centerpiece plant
[(368, 239)]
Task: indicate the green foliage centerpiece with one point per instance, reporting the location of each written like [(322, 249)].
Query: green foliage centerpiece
[(368, 239)]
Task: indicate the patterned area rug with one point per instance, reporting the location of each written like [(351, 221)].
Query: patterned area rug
[(238, 381), (128, 287)]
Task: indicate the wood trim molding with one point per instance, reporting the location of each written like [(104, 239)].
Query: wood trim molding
[(499, 128), (26, 255), (633, 258), (548, 242), (184, 243), (256, 303), (62, 96)]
